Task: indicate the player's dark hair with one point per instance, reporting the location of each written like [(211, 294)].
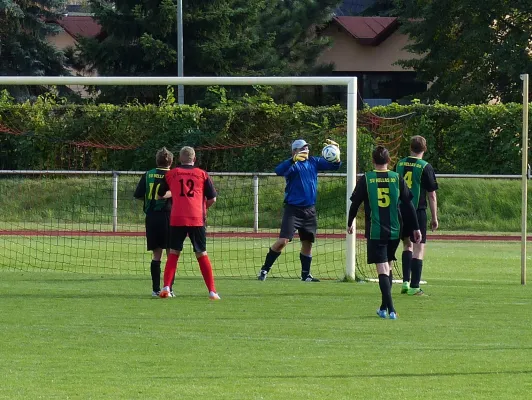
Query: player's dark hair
[(164, 158), (381, 155), (418, 144)]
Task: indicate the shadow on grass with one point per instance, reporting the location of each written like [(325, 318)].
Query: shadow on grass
[(354, 376)]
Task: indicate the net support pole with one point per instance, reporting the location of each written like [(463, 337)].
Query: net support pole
[(255, 203), (179, 18), (524, 179), (115, 201), (350, 255)]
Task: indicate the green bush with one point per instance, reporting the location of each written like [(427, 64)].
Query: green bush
[(245, 136)]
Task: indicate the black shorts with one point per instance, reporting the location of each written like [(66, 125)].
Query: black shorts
[(197, 235), (302, 219), (408, 229), (157, 230), (381, 251)]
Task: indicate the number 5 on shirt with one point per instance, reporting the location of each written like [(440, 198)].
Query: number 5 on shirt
[(383, 195)]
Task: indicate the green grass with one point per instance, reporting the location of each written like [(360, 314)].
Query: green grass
[(479, 205), (93, 336), (231, 257)]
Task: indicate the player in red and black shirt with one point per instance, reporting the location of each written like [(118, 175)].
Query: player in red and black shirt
[(192, 194)]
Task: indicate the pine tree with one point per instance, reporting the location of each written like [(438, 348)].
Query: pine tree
[(24, 26), (220, 38)]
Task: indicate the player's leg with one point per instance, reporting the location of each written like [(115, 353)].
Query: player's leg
[(377, 254), (285, 236), (417, 256), (417, 268), (155, 245), (177, 237), (155, 271), (406, 256), (306, 223), (390, 255), (406, 261), (198, 238)]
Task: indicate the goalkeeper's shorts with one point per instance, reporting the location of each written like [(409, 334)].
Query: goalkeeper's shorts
[(302, 219)]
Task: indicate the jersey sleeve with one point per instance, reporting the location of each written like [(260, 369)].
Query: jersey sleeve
[(405, 195), (285, 168), (210, 191), (164, 185), (324, 165), (140, 191), (357, 198), (428, 179)]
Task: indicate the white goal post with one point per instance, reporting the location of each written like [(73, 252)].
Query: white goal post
[(524, 177), (349, 82)]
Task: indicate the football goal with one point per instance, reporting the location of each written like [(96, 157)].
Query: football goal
[(69, 169)]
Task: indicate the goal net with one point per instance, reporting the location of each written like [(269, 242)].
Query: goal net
[(374, 130), (68, 172)]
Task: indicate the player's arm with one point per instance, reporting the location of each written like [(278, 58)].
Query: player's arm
[(357, 198), (405, 195), (324, 165), (140, 191), (430, 184), (285, 168), (167, 195), (210, 192), (164, 190), (433, 205)]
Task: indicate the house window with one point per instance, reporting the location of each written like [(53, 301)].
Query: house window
[(390, 85)]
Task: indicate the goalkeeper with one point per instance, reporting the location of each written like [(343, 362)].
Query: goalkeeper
[(301, 174)]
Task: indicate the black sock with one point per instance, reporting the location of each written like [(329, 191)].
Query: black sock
[(391, 277), (406, 262), (270, 259), (155, 269), (417, 266), (384, 285), (305, 265)]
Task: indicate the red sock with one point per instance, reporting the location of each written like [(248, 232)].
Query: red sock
[(206, 271), (170, 269)]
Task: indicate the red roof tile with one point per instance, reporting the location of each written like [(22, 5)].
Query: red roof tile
[(369, 31), (84, 26)]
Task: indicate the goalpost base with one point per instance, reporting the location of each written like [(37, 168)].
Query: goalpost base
[(372, 280)]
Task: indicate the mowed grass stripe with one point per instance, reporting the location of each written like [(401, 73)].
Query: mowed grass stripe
[(69, 335)]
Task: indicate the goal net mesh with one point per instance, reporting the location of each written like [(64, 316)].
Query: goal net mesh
[(68, 173), (374, 130)]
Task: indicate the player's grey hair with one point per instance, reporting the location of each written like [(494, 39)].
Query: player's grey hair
[(187, 155)]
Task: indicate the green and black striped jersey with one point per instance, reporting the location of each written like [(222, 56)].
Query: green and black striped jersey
[(147, 189), (419, 177), (380, 191)]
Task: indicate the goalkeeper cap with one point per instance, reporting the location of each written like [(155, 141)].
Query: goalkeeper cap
[(299, 144)]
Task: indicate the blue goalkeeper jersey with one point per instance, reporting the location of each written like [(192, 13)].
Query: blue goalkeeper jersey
[(302, 179)]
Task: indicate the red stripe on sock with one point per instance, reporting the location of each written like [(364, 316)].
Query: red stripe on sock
[(206, 271), (170, 269)]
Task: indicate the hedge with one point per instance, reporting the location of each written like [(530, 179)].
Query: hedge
[(247, 136)]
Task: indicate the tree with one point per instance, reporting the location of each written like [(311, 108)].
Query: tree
[(380, 8), (23, 47), (221, 38), (470, 51), (294, 24)]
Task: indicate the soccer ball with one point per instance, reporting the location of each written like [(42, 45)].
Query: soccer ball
[(331, 153)]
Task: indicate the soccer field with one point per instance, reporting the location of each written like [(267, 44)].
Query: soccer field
[(100, 336)]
